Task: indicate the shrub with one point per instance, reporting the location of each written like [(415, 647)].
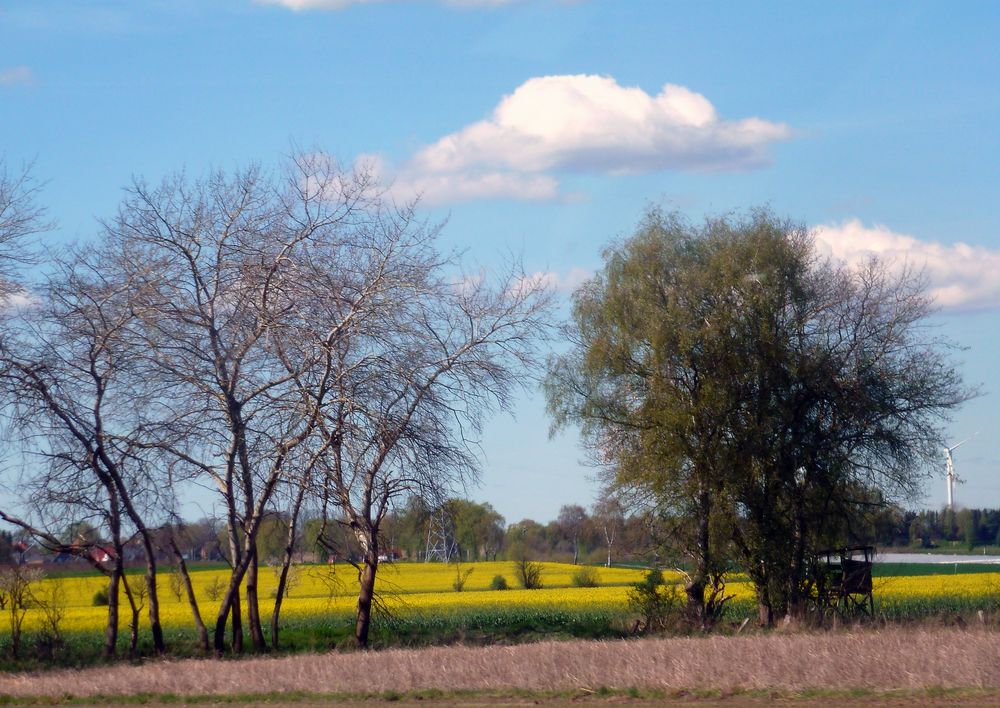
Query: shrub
[(215, 589), (498, 583), (586, 577), (176, 584), (656, 602), (529, 573), (460, 577), (100, 598)]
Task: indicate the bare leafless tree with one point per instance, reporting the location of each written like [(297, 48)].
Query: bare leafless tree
[(609, 517), (297, 493), (16, 583), (414, 386), (67, 377), (220, 267), (20, 217), (260, 334)]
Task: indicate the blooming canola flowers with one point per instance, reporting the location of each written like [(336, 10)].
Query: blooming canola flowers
[(424, 592)]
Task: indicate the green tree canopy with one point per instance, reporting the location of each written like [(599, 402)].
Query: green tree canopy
[(729, 374)]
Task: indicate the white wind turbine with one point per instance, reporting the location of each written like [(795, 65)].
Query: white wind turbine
[(949, 466)]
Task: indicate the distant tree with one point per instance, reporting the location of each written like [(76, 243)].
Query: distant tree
[(479, 529), (525, 539), (405, 527), (571, 520), (16, 583), (609, 516), (968, 520)]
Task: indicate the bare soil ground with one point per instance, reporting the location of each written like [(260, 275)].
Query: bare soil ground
[(895, 667)]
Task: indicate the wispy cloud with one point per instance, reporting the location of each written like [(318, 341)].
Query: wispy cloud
[(582, 124), (560, 281), (300, 5), (17, 75), (962, 277)]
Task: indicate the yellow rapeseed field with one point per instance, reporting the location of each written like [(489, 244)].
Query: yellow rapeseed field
[(425, 592)]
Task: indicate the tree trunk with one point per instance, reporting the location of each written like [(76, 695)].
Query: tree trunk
[(286, 563), (192, 600), (703, 563), (133, 641), (279, 595), (765, 605), (609, 536), (765, 614), (796, 576), (230, 607), (111, 631), (154, 602), (237, 624), (231, 600), (253, 607), (366, 595)]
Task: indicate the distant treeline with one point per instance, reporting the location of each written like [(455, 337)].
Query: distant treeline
[(476, 531), (927, 529)]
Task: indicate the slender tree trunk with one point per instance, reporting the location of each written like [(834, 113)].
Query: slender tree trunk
[(230, 607), (366, 595), (231, 600), (15, 626), (238, 430), (279, 595), (703, 563), (286, 562), (253, 607), (765, 603), (237, 625), (765, 614), (117, 573), (114, 478), (796, 576), (192, 600), (111, 631), (154, 601), (133, 641)]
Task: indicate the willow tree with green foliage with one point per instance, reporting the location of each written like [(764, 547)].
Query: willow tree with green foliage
[(730, 375), (639, 381)]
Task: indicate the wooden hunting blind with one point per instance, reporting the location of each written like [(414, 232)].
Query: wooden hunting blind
[(841, 581)]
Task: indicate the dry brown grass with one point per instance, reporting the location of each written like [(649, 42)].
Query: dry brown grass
[(880, 660)]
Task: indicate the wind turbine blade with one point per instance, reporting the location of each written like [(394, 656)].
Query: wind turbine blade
[(955, 447)]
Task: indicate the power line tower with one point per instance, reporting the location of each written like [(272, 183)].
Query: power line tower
[(441, 544)]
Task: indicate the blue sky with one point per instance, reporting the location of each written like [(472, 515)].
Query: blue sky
[(544, 127)]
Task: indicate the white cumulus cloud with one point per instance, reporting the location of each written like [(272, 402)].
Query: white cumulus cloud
[(962, 277), (16, 75), (582, 124), (591, 123)]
